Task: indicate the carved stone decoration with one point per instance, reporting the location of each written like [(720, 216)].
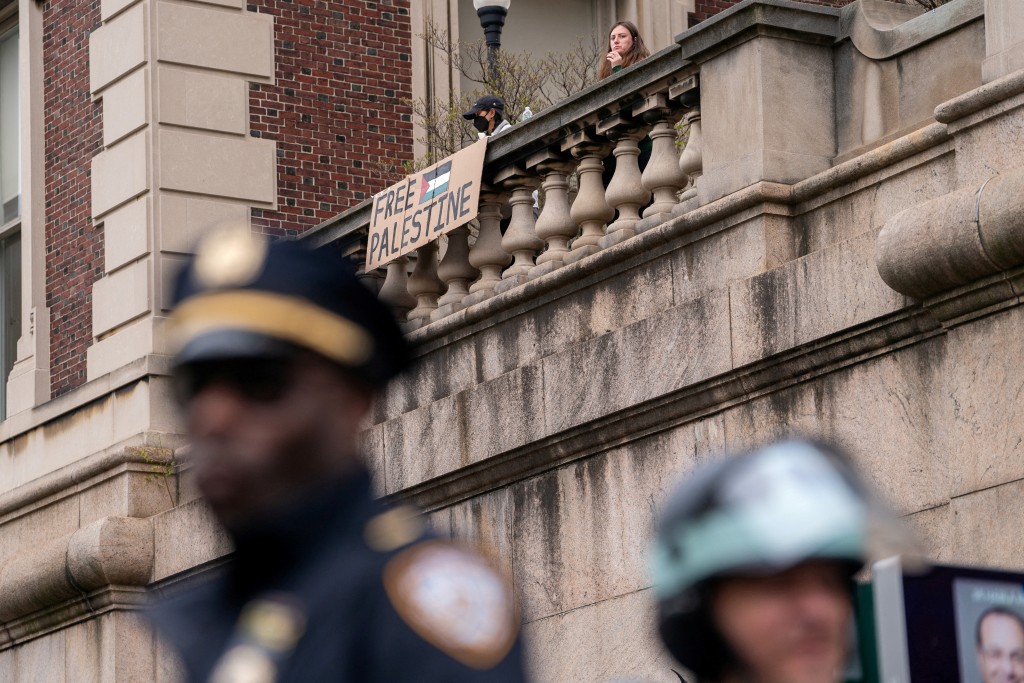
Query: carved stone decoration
[(487, 254), (691, 160), (626, 191), (424, 283), (555, 224), (455, 272), (520, 239), (591, 210), (663, 176), (395, 290)]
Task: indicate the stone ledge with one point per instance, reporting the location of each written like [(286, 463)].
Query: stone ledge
[(956, 239), (801, 364), (54, 581)]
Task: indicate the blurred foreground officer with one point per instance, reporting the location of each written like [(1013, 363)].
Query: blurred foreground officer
[(754, 566), (280, 352)]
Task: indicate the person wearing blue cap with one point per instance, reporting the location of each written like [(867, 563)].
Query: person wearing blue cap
[(488, 116), (279, 352)]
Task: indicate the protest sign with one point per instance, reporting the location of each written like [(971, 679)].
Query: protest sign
[(425, 206)]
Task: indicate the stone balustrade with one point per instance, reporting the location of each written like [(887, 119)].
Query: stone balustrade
[(619, 143)]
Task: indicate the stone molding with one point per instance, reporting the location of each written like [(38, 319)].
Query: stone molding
[(883, 30), (956, 239), (72, 577)]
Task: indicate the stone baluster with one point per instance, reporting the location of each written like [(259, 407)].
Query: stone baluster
[(424, 283), (520, 239), (691, 160), (626, 191), (662, 177), (591, 211), (487, 254), (395, 290), (555, 225), (455, 272), (690, 163)]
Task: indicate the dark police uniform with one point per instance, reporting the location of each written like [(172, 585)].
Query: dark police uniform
[(339, 587)]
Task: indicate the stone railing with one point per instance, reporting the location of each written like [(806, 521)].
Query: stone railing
[(767, 123), (580, 136)]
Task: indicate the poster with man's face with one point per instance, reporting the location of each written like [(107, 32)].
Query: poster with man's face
[(989, 630)]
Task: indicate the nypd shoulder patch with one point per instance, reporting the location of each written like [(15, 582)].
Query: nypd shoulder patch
[(454, 600)]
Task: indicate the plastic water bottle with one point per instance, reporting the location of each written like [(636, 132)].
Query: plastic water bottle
[(526, 115)]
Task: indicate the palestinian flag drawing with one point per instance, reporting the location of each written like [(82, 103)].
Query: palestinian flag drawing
[(435, 182)]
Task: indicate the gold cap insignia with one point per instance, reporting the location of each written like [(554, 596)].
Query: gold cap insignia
[(275, 624), (229, 256)]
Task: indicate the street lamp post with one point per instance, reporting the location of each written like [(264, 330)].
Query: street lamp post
[(492, 15)]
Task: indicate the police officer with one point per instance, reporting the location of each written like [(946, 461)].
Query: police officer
[(280, 353), (755, 561)]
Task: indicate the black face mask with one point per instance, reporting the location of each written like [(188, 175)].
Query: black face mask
[(481, 124)]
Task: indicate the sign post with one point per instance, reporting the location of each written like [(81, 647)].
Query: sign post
[(425, 206)]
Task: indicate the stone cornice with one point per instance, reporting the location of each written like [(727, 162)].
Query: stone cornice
[(72, 576)]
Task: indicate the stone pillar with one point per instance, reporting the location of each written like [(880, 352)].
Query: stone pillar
[(770, 108), (626, 191), (520, 239), (395, 290), (662, 177), (591, 210), (691, 164), (555, 224), (1004, 38), (29, 382), (456, 272), (487, 254), (168, 170), (424, 283)]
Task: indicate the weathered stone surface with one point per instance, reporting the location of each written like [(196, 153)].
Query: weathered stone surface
[(985, 527), (982, 387), (185, 537), (674, 349), (881, 412), (486, 523), (581, 534), (736, 253), (44, 659), (436, 374), (933, 528), (612, 640), (439, 438), (131, 494), (820, 294)]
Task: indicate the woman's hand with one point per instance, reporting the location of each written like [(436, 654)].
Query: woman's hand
[(614, 58)]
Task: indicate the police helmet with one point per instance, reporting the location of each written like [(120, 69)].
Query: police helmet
[(757, 514)]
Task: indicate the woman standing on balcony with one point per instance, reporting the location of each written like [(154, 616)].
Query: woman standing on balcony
[(626, 47)]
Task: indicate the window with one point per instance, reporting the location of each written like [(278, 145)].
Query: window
[(10, 143), (10, 199)]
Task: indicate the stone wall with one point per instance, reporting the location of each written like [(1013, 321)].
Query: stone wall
[(857, 277)]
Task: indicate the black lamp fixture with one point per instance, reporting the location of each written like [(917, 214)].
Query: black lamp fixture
[(492, 15)]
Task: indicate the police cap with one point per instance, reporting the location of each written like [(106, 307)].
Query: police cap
[(242, 296)]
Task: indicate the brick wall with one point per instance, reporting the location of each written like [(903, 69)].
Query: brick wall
[(336, 110), (73, 134), (709, 8)]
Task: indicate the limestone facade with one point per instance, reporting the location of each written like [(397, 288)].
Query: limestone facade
[(836, 251)]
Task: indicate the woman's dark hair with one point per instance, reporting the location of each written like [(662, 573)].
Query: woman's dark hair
[(635, 53)]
